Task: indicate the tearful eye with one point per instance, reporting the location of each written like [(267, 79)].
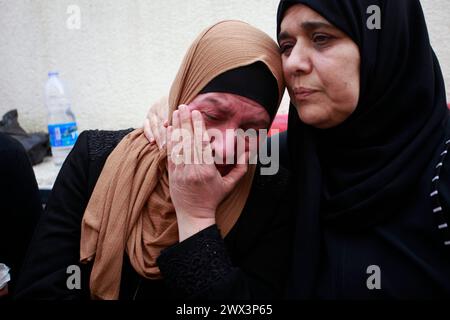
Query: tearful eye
[(210, 117)]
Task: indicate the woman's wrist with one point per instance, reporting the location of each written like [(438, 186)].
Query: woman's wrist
[(188, 225)]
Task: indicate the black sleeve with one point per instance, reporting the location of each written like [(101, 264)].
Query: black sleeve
[(194, 265), (443, 198), (20, 205), (56, 243), (201, 267)]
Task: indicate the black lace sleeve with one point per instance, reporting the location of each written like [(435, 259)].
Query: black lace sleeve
[(192, 266), (250, 263), (101, 143)]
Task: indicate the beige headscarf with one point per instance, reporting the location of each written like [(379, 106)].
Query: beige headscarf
[(130, 208)]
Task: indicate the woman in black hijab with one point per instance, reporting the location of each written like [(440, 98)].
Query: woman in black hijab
[(372, 183)]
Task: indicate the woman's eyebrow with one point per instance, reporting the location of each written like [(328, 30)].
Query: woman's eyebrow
[(283, 35), (314, 25), (308, 26)]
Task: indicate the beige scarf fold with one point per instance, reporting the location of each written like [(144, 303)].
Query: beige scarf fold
[(130, 208)]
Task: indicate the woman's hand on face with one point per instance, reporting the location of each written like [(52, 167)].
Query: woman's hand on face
[(155, 130), (196, 186)]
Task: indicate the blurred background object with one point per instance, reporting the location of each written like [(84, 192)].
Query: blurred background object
[(279, 123), (35, 144), (119, 57), (62, 126)]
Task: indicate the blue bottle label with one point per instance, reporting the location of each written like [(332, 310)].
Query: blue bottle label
[(63, 135)]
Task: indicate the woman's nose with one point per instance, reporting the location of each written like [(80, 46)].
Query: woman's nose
[(299, 61)]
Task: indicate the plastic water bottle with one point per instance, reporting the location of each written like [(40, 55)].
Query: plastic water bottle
[(62, 126)]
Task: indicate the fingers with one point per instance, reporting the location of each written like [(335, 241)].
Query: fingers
[(187, 132), (208, 157), (170, 163), (176, 120), (203, 151), (155, 130), (159, 130), (233, 177), (198, 136), (195, 145), (176, 147), (162, 130), (148, 131)]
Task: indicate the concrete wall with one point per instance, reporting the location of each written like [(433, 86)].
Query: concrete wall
[(125, 53)]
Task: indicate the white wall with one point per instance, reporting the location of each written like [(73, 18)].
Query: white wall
[(126, 52), (437, 15)]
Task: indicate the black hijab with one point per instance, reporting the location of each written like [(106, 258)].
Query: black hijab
[(360, 173), (255, 82)]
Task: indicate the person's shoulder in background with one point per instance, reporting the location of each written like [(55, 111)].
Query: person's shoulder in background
[(20, 205)]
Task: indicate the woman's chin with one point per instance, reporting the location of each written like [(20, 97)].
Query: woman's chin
[(312, 116), (309, 117)]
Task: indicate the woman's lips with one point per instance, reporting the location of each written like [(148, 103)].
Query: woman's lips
[(303, 93)]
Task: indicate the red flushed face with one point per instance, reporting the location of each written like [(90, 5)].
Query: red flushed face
[(226, 111)]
